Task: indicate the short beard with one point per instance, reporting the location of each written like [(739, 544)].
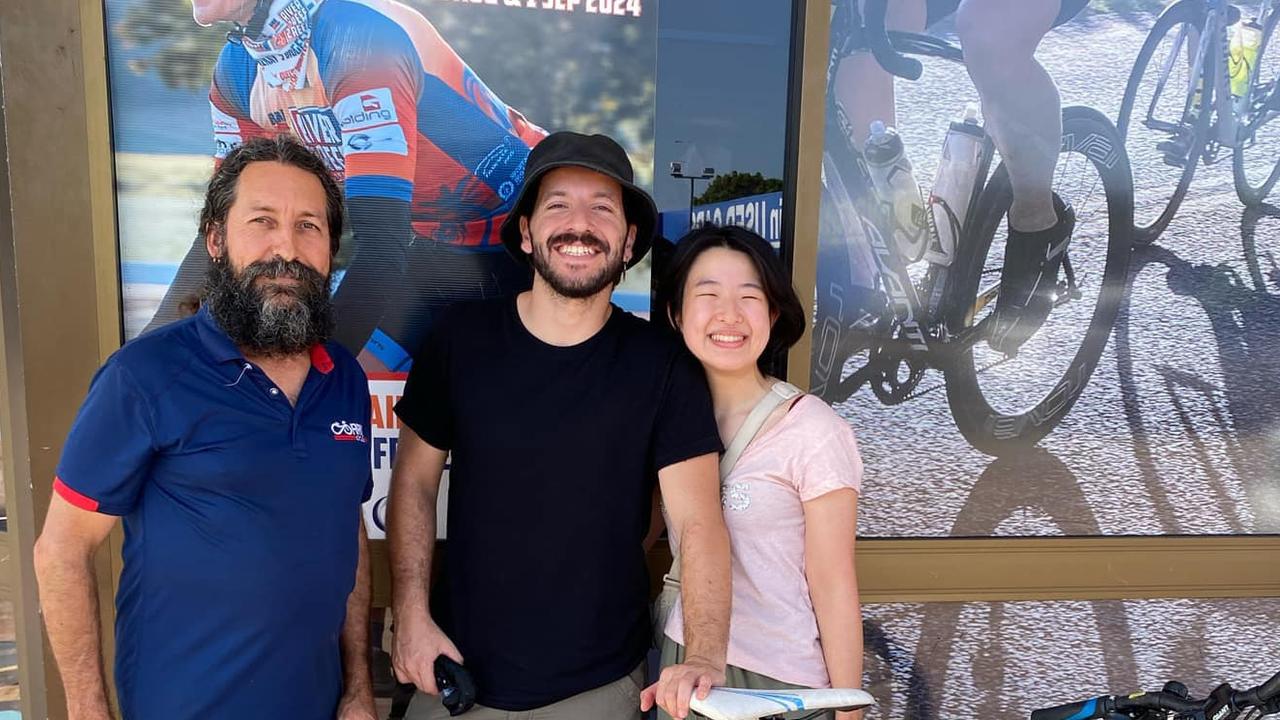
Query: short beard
[(609, 276), (256, 319)]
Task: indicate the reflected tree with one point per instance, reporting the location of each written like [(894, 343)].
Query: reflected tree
[(733, 185)]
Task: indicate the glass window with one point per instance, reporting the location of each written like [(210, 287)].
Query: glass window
[(721, 124)]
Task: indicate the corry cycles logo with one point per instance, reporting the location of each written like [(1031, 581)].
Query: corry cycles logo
[(347, 431)]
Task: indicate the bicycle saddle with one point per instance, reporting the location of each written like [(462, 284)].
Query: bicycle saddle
[(726, 703)]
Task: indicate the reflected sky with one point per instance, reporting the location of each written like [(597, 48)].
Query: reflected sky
[(722, 90)]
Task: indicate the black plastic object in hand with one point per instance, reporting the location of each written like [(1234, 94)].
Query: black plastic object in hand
[(457, 689)]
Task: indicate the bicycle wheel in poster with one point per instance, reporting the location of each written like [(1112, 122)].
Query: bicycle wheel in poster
[(1005, 403), (1164, 133), (1255, 163)]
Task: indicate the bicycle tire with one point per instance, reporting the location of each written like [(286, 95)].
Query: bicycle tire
[(1245, 190), (1186, 12), (1089, 133)]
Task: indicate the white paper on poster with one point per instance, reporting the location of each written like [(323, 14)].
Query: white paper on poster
[(383, 395)]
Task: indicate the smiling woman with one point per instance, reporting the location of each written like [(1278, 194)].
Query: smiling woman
[(790, 500)]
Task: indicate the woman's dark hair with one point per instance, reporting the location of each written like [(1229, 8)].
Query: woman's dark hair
[(789, 323)]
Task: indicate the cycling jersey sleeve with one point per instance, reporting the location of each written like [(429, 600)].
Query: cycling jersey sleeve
[(373, 74), (382, 237), (229, 101)]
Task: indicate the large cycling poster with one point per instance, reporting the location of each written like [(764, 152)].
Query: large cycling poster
[(486, 81), (1140, 381)]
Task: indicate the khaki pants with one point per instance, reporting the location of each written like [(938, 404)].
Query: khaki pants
[(673, 653), (619, 700)]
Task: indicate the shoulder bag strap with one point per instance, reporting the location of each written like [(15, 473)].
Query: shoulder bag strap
[(778, 394)]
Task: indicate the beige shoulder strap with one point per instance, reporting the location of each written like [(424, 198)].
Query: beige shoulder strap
[(781, 392)]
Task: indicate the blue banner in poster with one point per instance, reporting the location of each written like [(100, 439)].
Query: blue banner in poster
[(759, 213)]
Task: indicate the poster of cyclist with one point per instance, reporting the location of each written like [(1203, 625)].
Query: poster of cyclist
[(1048, 289), (425, 110)]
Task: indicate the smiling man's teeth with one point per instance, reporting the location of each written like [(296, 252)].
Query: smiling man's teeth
[(727, 338), (577, 250)]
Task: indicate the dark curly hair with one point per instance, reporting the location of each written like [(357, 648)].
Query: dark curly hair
[(787, 328), (284, 149)]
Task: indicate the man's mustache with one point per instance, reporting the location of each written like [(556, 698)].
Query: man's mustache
[(276, 268), (586, 239)]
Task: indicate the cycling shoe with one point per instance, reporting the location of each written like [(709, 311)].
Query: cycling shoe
[(1175, 151), (1029, 279)]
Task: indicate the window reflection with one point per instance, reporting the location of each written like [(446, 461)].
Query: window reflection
[(720, 132)]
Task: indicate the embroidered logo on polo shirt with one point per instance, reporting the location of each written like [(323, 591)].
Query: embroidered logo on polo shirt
[(347, 431)]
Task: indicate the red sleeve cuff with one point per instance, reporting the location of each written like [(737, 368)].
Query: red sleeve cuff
[(84, 502)]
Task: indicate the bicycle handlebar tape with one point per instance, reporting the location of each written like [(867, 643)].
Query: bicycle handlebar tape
[(1098, 707), (877, 37), (457, 688), (1270, 690)]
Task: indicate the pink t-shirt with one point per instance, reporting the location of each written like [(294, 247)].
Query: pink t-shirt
[(806, 454)]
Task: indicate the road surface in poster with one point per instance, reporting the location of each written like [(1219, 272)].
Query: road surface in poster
[(1177, 431)]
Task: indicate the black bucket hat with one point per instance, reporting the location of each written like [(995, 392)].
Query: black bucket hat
[(593, 152)]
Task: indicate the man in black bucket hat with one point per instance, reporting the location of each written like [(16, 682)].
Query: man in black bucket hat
[(560, 411)]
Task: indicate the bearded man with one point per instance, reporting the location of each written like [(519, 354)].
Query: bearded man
[(233, 443), (562, 413)]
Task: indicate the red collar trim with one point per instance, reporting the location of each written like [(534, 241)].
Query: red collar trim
[(320, 359)]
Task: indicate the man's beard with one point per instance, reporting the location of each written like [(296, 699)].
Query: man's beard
[(608, 276), (257, 318)]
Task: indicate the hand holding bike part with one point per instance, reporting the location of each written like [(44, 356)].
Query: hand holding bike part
[(1173, 702), (457, 689)]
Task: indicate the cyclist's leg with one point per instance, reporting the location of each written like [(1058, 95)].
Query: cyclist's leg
[(1019, 99), (864, 91), (1024, 117)]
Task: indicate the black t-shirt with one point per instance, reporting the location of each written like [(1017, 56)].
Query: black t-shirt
[(555, 456)]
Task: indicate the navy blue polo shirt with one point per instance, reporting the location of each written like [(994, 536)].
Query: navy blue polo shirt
[(240, 516)]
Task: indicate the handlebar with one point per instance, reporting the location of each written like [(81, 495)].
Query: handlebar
[(1265, 697), (877, 39), (1098, 707)]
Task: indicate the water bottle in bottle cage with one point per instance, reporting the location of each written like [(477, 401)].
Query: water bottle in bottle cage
[(896, 187)]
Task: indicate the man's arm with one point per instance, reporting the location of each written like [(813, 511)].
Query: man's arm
[(357, 689), (691, 492), (411, 534), (382, 227), (829, 522), (64, 563), (232, 126)]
